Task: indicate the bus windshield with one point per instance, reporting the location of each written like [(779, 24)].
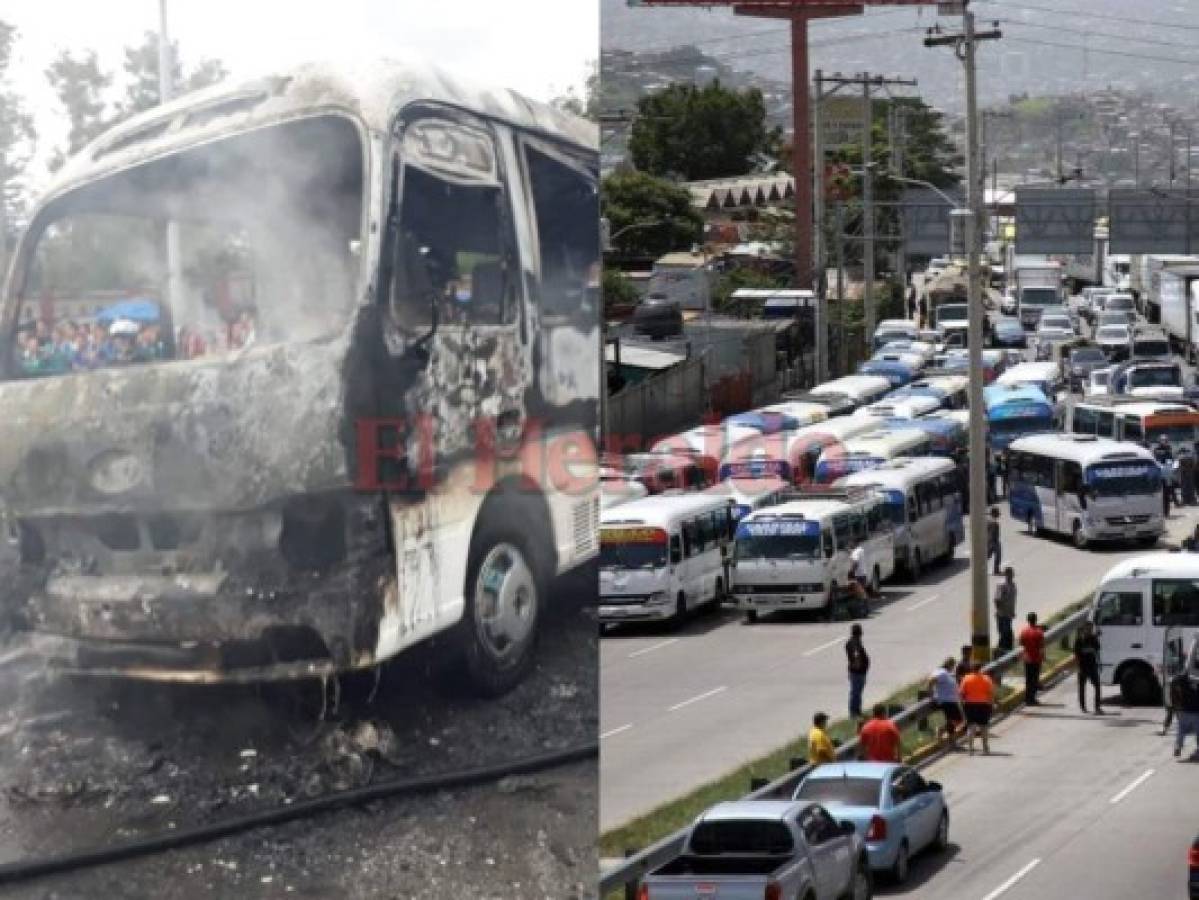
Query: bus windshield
[(1040, 297), (1176, 433), (777, 540), (1122, 479), (895, 506), (1020, 426), (1163, 376), (632, 548)]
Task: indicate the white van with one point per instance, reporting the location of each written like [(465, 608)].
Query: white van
[(861, 389), (663, 556), (1141, 604), (870, 450), (1044, 375), (1090, 488), (797, 555), (923, 499), (790, 455)]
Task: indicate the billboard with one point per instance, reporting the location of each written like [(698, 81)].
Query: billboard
[(925, 213), (1153, 221), (1055, 220), (841, 121)]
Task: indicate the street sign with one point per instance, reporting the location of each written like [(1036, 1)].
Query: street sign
[(1055, 220), (1153, 221), (841, 121), (926, 228)]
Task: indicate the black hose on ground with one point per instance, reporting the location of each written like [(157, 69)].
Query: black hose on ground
[(24, 870)]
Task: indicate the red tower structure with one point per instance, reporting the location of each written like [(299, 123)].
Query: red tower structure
[(800, 13)]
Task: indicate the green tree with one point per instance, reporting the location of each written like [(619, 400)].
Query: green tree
[(80, 85), (18, 139), (617, 292), (648, 216), (141, 75), (587, 106), (695, 133)]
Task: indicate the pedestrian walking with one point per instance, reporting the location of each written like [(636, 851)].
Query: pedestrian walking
[(859, 664), (1186, 701), (1086, 654), (820, 745), (879, 738), (1032, 641), (994, 548), (1005, 610), (962, 669), (978, 700), (944, 690)]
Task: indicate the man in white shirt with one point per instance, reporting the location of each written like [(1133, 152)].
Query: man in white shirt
[(944, 690)]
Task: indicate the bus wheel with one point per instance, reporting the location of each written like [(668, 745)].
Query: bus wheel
[(875, 583), (915, 566), (830, 609), (751, 616), (719, 597), (1032, 523), (1138, 687), (1147, 540), (680, 608), (1080, 539), (504, 588)]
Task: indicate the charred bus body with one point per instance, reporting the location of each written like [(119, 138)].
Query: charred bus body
[(341, 396)]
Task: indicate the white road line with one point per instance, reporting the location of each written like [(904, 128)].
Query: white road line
[(703, 696), (926, 600), (816, 650), (658, 646), (615, 731), (1011, 881), (1141, 779)]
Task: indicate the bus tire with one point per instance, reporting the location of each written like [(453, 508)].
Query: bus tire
[(719, 597), (751, 617), (876, 583), (1078, 537), (915, 565), (1148, 540), (1138, 686), (830, 609), (505, 586)]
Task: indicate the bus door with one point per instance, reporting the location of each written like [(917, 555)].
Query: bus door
[(1120, 616), (1175, 613), (1068, 495)]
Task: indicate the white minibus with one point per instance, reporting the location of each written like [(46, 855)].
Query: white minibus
[(861, 389), (796, 556), (870, 450), (662, 556), (1143, 604), (1092, 489), (923, 499), (910, 407), (790, 455)]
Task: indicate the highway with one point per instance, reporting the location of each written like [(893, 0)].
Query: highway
[(681, 708), (1068, 805)]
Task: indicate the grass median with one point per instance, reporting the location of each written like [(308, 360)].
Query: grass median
[(669, 817)]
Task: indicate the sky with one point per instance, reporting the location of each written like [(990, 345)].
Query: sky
[(538, 47)]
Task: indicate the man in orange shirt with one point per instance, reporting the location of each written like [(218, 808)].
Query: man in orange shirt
[(879, 738), (1032, 640), (978, 698)]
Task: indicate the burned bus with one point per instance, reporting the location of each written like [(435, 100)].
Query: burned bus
[(301, 373)]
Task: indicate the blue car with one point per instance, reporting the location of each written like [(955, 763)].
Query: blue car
[(895, 810)]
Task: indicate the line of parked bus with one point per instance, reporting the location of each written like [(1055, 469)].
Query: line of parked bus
[(766, 508)]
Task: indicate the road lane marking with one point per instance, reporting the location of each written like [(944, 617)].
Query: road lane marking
[(926, 600), (703, 696), (658, 646), (615, 731), (816, 650), (1011, 881), (1141, 779)]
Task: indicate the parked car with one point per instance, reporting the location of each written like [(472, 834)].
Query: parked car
[(749, 849), (1081, 362), (897, 813), (1115, 341), (1008, 332), (1116, 317)]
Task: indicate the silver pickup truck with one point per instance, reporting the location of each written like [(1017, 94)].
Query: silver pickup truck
[(765, 850)]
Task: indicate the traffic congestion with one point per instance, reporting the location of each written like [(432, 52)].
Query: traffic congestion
[(821, 507)]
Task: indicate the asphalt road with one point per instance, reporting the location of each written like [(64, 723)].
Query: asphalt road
[(681, 708), (1068, 805)]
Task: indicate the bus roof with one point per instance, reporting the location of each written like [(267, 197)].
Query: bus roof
[(899, 473), (371, 91), (938, 425), (816, 508), (1029, 371), (1138, 406), (733, 490), (998, 395), (1084, 449), (662, 509), (1159, 565), (944, 383), (853, 385), (884, 443), (904, 406)]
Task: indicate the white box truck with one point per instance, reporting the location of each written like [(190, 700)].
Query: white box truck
[(1038, 284), (1175, 290)]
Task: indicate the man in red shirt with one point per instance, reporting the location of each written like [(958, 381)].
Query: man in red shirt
[(1032, 640), (879, 738)]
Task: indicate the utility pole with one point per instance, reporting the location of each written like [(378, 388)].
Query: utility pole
[(898, 145), (819, 253), (166, 90), (964, 45), (843, 341)]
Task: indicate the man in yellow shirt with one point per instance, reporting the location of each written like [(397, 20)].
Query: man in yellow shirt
[(820, 747)]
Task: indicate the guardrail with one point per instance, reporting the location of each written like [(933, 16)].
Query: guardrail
[(629, 873)]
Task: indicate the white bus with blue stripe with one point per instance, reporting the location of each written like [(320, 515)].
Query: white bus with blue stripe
[(923, 500), (1090, 488), (869, 452)]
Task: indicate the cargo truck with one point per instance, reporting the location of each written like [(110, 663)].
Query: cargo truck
[(1175, 292), (1038, 284)]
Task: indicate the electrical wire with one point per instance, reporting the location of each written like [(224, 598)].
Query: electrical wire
[(1097, 34), (24, 870), (1175, 25), (1080, 47)]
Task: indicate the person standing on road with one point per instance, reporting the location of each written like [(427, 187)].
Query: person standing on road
[(962, 669), (820, 745), (978, 700), (994, 548), (1185, 694), (859, 664), (879, 738), (944, 689), (1005, 610), (1032, 640), (1086, 654)]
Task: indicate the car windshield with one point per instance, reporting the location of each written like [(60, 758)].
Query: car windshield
[(1151, 348), (1055, 322), (1112, 333), (1163, 377), (266, 228), (852, 791), (1040, 297), (1086, 355), (620, 549), (1122, 479), (953, 312), (1117, 303), (1176, 434)]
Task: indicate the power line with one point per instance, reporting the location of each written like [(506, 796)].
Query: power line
[(1082, 48), (1174, 25), (1098, 34)]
